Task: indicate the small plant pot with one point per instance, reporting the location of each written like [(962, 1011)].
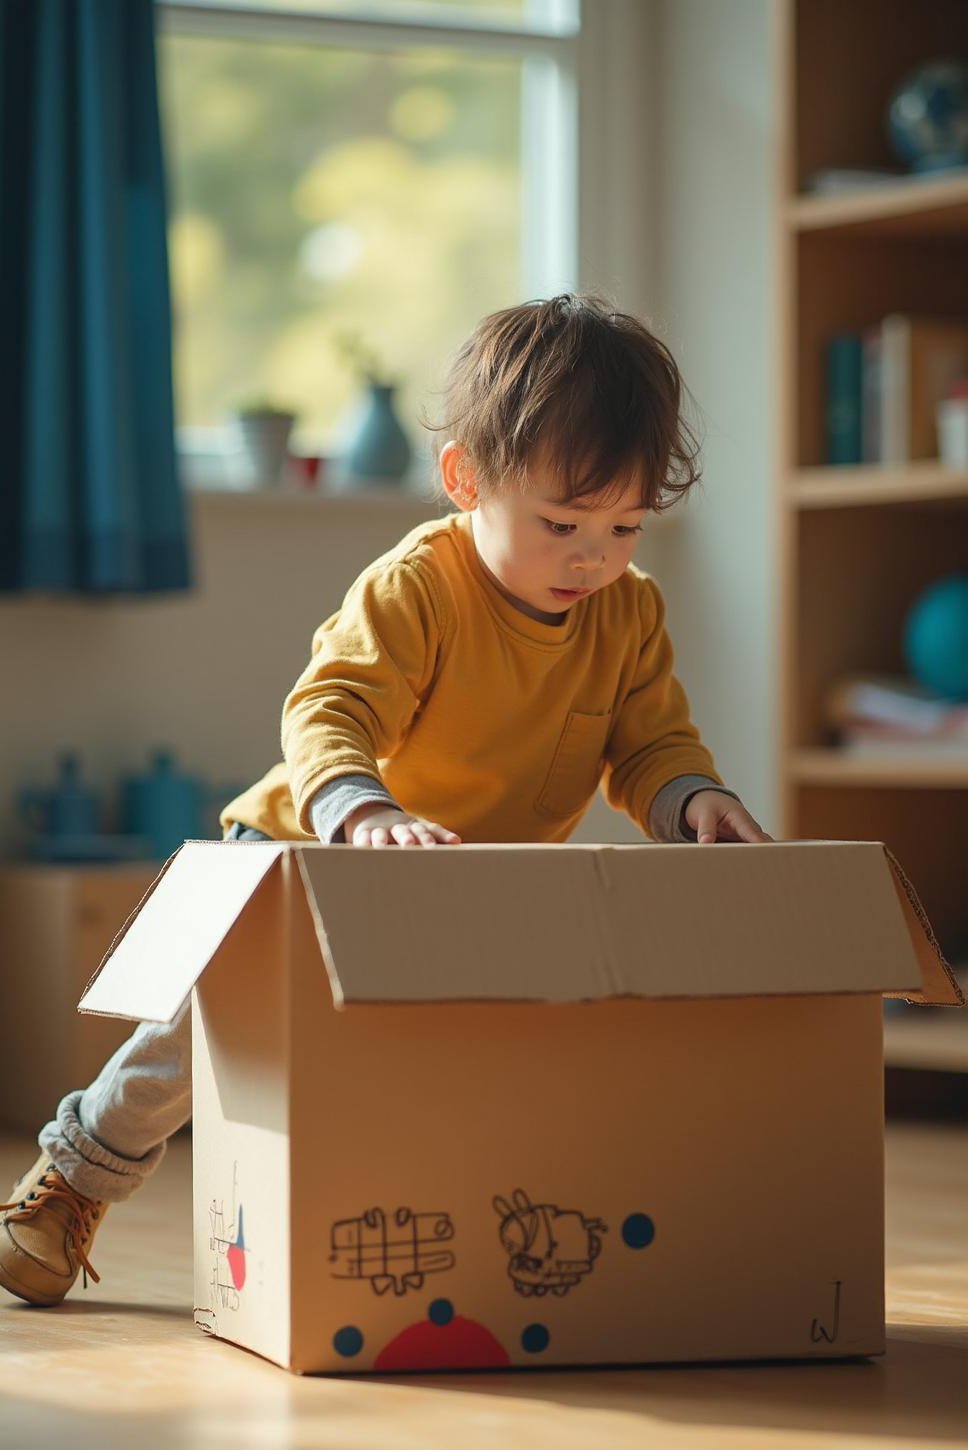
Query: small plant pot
[(264, 441)]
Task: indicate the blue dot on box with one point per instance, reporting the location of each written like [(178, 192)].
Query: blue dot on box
[(441, 1311), (348, 1341), (535, 1338), (638, 1230)]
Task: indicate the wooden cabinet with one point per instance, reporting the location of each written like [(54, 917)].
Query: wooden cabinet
[(857, 544), (56, 923)]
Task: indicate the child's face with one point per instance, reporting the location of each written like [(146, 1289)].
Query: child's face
[(544, 555)]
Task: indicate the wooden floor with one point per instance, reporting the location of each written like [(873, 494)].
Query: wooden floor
[(123, 1365)]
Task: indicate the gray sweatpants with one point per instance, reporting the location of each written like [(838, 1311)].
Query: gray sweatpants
[(107, 1138)]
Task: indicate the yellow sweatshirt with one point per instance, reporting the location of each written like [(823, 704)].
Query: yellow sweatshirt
[(474, 715)]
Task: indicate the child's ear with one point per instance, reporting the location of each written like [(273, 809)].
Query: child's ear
[(458, 476)]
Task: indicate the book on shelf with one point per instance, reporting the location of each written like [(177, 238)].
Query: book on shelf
[(870, 406), (838, 180), (884, 384), (844, 362), (920, 359), (882, 740), (878, 703)]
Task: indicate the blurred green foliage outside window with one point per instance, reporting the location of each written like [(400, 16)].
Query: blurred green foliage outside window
[(316, 191)]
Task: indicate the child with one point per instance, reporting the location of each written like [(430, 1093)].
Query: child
[(479, 682)]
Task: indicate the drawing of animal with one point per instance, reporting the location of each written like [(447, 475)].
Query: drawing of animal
[(549, 1248)]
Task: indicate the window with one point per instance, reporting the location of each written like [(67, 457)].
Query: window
[(389, 172)]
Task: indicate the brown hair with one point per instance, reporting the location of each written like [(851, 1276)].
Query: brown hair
[(589, 388)]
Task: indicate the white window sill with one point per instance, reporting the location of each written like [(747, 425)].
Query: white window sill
[(375, 493)]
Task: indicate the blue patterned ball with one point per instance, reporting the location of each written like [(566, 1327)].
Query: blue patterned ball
[(928, 117)]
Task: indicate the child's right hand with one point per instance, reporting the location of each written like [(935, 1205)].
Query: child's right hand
[(372, 825)]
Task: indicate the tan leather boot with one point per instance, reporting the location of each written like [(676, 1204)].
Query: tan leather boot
[(45, 1234)]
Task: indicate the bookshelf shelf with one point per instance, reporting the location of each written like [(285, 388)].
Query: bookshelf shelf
[(918, 207), (837, 767), (842, 487), (858, 544)]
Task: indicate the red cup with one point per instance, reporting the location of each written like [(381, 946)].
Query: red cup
[(306, 469)]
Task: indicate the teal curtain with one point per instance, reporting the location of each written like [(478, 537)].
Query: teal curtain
[(90, 499)]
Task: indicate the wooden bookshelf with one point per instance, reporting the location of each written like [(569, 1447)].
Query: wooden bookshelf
[(900, 772), (857, 545), (919, 206), (838, 487)]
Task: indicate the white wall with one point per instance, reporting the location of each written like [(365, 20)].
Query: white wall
[(683, 157), (206, 673), (714, 276)]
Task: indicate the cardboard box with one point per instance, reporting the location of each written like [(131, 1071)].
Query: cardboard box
[(532, 1105)]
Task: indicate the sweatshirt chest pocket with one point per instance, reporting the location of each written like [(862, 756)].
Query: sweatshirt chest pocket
[(576, 767)]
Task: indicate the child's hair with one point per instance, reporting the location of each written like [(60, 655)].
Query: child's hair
[(585, 388)]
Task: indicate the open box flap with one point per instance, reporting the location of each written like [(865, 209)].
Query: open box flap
[(572, 923), (939, 986), (168, 941)]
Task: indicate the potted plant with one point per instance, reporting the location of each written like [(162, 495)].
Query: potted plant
[(263, 431)]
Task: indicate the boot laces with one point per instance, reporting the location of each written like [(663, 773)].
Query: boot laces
[(81, 1212)]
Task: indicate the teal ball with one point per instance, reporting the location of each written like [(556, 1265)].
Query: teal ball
[(936, 638)]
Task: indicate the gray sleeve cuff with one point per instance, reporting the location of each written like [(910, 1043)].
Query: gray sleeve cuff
[(666, 816), (334, 801)]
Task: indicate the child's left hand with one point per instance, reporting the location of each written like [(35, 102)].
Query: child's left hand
[(715, 816)]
